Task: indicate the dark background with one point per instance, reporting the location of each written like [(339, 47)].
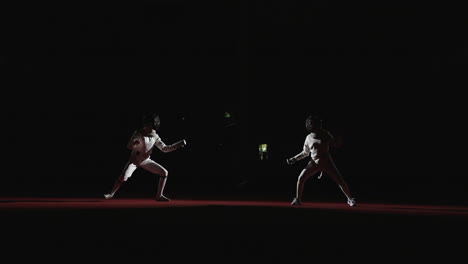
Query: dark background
[(387, 78)]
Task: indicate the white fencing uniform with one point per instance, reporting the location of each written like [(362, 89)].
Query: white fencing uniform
[(317, 147), (141, 154)]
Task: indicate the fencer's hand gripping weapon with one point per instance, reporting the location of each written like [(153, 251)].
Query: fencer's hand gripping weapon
[(181, 143)]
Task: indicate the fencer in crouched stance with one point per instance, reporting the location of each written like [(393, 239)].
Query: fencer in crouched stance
[(141, 145), (317, 145)]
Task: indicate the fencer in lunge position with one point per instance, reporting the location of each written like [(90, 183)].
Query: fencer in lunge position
[(141, 144), (317, 146)]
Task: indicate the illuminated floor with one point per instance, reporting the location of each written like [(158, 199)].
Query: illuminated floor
[(34, 204), (229, 231)]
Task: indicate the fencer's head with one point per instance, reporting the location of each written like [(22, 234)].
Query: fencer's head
[(313, 122), (151, 120)]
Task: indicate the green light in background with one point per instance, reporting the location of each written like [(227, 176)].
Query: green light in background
[(263, 151)]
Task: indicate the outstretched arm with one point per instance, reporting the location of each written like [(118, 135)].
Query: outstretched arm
[(304, 153), (168, 148)]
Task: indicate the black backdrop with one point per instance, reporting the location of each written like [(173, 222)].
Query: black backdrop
[(386, 78)]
